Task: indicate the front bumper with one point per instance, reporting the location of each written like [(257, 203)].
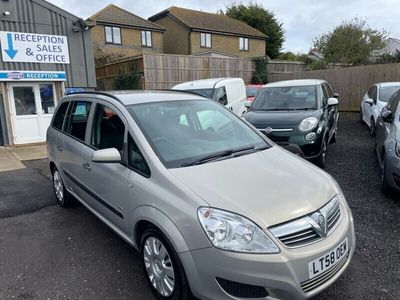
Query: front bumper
[(297, 144), (279, 274)]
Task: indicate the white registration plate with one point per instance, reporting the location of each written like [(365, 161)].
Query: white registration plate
[(328, 260)]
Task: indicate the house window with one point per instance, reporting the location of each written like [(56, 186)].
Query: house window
[(113, 35), (146, 39), (205, 40), (243, 44)]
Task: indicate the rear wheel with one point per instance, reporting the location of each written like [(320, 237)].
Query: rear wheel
[(162, 267), (63, 197)]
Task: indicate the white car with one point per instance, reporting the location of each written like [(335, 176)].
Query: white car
[(374, 100), (230, 92)]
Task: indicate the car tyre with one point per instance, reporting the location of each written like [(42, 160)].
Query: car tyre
[(385, 188), (333, 138), (63, 197), (372, 128), (162, 267), (321, 161), (361, 117)]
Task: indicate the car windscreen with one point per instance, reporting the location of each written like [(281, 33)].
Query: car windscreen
[(251, 91), (182, 131), (209, 93), (286, 98), (386, 91)]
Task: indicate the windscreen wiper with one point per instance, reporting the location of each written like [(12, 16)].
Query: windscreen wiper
[(221, 154)]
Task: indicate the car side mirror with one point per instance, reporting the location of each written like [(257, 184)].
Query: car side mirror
[(369, 101), (247, 104), (333, 101), (109, 155), (336, 95), (387, 116)]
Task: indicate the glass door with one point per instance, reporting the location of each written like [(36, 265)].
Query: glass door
[(32, 108)]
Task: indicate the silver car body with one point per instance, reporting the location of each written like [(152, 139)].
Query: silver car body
[(371, 111), (388, 146), (276, 190)]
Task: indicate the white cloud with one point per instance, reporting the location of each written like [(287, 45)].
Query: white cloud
[(302, 20)]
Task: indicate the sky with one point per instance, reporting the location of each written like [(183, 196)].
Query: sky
[(303, 20)]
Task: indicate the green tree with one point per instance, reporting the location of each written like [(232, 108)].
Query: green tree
[(263, 20), (351, 43)]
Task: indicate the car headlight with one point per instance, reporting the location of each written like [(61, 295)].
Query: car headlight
[(308, 124), (398, 149), (229, 231)]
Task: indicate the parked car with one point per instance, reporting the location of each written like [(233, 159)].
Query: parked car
[(252, 91), (230, 92), (299, 115), (388, 144), (160, 169), (374, 100)]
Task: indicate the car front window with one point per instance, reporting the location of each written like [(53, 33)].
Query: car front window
[(182, 131), (286, 98), (387, 91)]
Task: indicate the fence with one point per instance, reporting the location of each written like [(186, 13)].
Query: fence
[(351, 83), (163, 71)]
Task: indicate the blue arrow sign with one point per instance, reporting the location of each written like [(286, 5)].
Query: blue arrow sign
[(10, 51)]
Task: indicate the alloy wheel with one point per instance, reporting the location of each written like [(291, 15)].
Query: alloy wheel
[(159, 266), (58, 186)]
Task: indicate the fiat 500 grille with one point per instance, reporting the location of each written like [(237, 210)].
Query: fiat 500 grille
[(301, 232), (315, 282)]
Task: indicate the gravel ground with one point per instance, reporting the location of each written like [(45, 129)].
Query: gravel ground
[(69, 254)]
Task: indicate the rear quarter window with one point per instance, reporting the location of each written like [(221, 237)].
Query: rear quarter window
[(60, 115)]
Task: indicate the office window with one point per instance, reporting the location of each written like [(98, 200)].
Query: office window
[(243, 44), (146, 39), (113, 35), (205, 40)]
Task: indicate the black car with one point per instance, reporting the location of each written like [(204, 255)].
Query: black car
[(299, 115)]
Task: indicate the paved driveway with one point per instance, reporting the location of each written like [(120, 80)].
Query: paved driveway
[(55, 253)]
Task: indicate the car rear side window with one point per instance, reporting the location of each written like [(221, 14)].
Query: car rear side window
[(136, 159), (78, 118), (108, 129), (60, 115)]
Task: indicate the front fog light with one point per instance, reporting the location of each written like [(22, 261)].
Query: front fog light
[(310, 136)]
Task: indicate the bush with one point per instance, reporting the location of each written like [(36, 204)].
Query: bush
[(260, 73), (128, 81)]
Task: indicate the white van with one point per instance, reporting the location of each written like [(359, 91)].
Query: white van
[(231, 92)]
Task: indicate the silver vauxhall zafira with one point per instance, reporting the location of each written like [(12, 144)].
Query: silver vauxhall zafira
[(215, 209)]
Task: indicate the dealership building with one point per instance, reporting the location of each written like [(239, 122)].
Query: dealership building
[(45, 53)]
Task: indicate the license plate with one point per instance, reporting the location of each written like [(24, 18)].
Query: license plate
[(328, 260)]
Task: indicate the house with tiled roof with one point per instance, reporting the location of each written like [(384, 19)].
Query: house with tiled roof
[(119, 33), (193, 32)]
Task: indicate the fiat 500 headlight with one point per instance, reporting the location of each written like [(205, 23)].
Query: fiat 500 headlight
[(229, 231), (308, 124)]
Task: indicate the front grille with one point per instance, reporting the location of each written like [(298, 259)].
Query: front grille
[(305, 230), (315, 282), (278, 139)]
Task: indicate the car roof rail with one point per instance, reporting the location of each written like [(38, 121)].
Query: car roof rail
[(182, 91), (96, 93)]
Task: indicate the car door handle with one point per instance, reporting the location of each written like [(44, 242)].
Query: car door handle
[(59, 148), (86, 166)]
